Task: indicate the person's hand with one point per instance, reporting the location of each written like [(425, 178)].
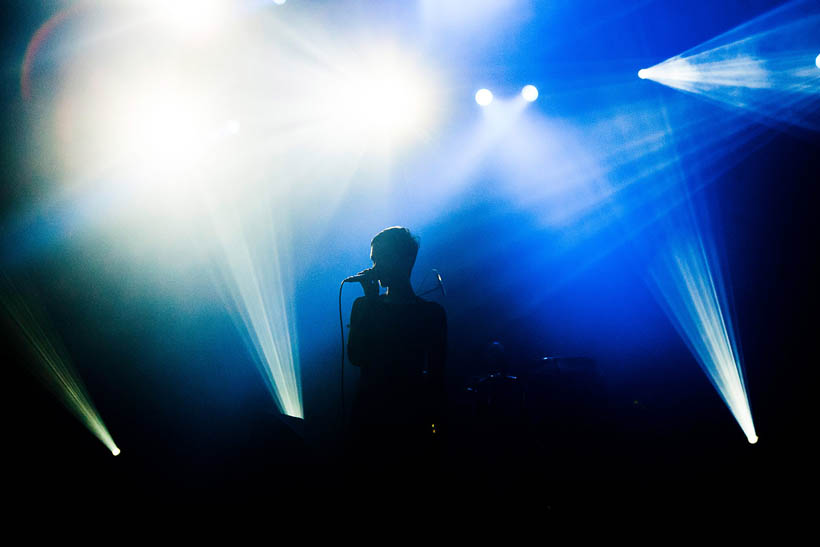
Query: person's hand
[(370, 283)]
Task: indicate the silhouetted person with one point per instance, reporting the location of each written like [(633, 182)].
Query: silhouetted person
[(398, 340)]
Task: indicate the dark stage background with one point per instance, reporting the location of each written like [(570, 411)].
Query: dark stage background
[(151, 335)]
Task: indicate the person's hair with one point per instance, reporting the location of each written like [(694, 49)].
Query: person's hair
[(403, 243)]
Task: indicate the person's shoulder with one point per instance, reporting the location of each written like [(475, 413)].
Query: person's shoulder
[(366, 301)]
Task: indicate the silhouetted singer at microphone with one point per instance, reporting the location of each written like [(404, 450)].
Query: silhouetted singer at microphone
[(399, 341)]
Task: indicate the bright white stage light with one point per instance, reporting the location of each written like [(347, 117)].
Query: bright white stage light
[(691, 291), (380, 99), (374, 98), (305, 110), (642, 74), (233, 127), (116, 451), (530, 93), (159, 129), (150, 134), (759, 66), (817, 60), (484, 97)]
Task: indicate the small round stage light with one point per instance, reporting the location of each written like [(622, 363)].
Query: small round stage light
[(817, 61), (642, 74), (484, 97), (116, 451), (752, 440), (530, 93)]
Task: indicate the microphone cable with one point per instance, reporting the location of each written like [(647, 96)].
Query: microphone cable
[(439, 284), (342, 367)]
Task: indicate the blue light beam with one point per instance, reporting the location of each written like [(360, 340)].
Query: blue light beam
[(256, 280), (690, 288), (765, 66)]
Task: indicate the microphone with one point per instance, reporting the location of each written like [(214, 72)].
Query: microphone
[(361, 276), (440, 282)]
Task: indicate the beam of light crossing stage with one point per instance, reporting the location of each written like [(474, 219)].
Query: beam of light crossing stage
[(643, 187), (256, 282), (684, 268), (690, 287), (616, 168), (52, 363), (766, 66)]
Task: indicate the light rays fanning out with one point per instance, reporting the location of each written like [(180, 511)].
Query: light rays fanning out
[(692, 292), (50, 361), (766, 66)]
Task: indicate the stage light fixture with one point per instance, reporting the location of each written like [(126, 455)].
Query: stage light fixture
[(484, 97), (642, 74), (817, 60), (530, 93)]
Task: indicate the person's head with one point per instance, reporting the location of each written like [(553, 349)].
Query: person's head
[(393, 252)]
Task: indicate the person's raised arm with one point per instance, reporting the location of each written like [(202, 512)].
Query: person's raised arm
[(359, 339)]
